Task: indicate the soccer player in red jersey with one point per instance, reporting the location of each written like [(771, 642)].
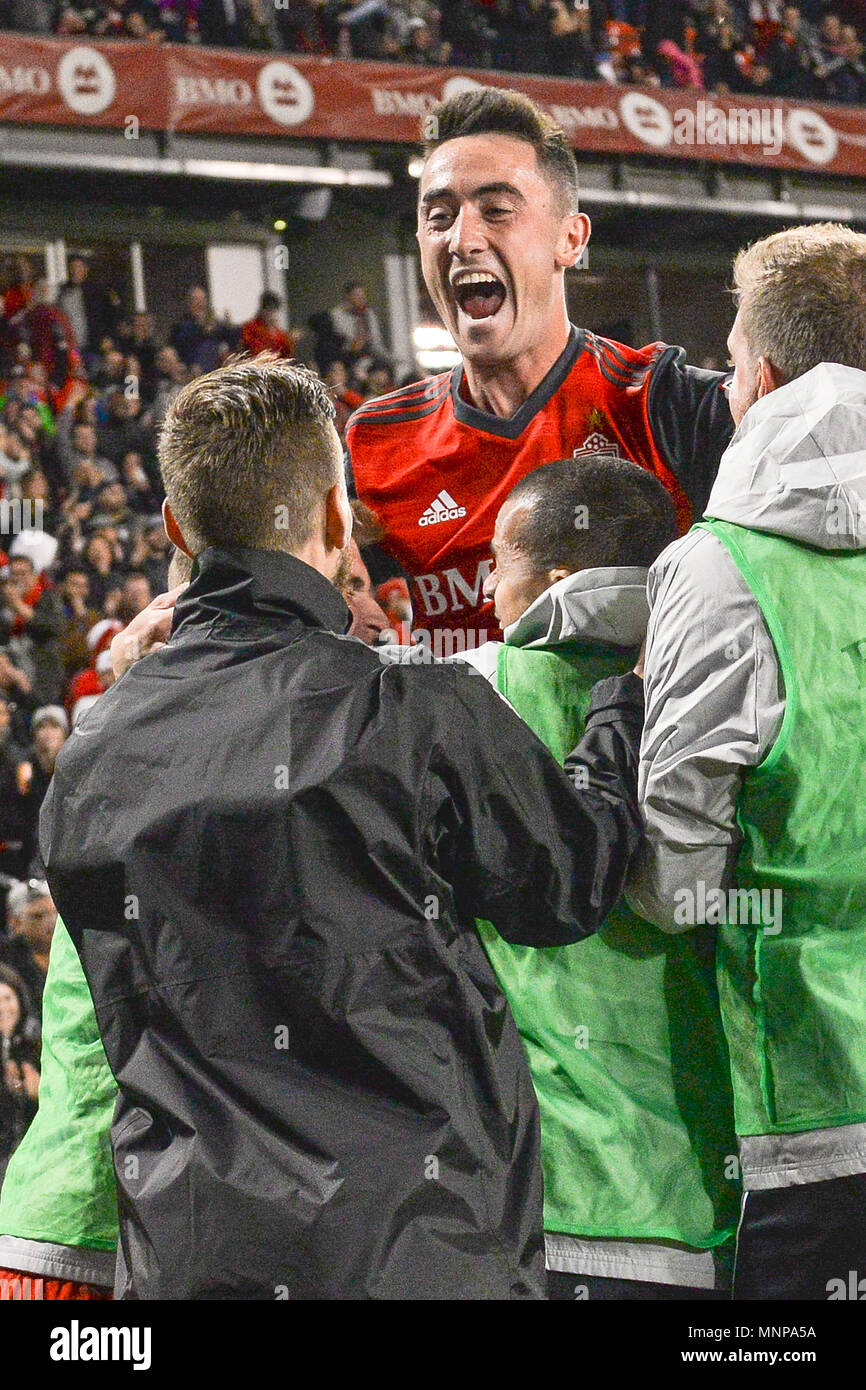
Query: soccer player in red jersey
[(498, 226)]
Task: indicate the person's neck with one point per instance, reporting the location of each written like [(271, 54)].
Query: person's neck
[(500, 388)]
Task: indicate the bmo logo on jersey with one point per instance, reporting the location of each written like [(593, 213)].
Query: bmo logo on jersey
[(442, 508), (447, 590)]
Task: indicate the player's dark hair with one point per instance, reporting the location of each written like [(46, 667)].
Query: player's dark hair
[(497, 111), (592, 513)]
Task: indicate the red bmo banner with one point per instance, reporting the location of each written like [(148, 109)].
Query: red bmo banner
[(215, 91)]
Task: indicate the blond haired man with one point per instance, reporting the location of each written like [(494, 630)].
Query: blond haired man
[(753, 754), (270, 848)]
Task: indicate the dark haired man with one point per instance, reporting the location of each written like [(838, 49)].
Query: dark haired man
[(637, 1125), (498, 227), (269, 849)]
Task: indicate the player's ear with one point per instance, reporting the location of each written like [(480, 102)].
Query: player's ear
[(769, 377), (554, 575), (574, 234), (338, 517), (173, 531)]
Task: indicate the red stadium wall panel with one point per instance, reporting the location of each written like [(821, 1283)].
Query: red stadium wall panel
[(54, 81)]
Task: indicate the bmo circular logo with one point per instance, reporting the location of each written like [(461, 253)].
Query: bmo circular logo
[(455, 85), (647, 119), (812, 137), (285, 95), (86, 80)]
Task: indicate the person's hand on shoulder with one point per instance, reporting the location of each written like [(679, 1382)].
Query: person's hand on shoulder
[(148, 631)]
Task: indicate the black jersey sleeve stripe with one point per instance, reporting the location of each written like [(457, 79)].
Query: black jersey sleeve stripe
[(419, 391), (402, 416), (611, 351), (634, 377), (398, 407), (623, 374), (385, 403)]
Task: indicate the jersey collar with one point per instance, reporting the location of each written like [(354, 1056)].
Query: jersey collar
[(513, 427)]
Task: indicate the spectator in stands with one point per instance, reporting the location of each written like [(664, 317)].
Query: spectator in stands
[(791, 57), (31, 610), (89, 307), (264, 332), (718, 42), (86, 689), (830, 71), (140, 493), (70, 21), (31, 16), (136, 596), (30, 919), (49, 334), (85, 466), (327, 342), (300, 23), (150, 554), (104, 578), (78, 616), (111, 509), (469, 31), (171, 373), (19, 1063), (16, 690), (220, 22), (357, 325), (12, 820), (91, 679), (110, 368), (422, 45), (259, 29), (19, 292), (140, 25), (197, 338), (848, 83), (521, 29), (569, 45), (345, 399), (121, 431), (136, 339), (677, 67), (15, 460)]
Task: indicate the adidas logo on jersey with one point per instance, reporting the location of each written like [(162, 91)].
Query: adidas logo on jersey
[(442, 508)]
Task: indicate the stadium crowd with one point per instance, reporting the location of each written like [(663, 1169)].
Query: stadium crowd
[(812, 50), (84, 387)]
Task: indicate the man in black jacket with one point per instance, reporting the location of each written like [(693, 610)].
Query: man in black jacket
[(270, 849)]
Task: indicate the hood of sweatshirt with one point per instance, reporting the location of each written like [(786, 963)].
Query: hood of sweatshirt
[(796, 466), (596, 605)]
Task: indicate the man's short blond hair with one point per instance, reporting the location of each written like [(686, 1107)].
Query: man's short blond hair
[(247, 456), (802, 297)]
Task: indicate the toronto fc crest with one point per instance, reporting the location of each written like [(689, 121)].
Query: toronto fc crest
[(597, 444)]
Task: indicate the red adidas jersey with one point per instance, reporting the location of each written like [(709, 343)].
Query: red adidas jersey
[(436, 470)]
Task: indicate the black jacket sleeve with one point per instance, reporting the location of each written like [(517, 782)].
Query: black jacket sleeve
[(691, 422), (541, 854)]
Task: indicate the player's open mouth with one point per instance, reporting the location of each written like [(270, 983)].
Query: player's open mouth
[(478, 293)]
